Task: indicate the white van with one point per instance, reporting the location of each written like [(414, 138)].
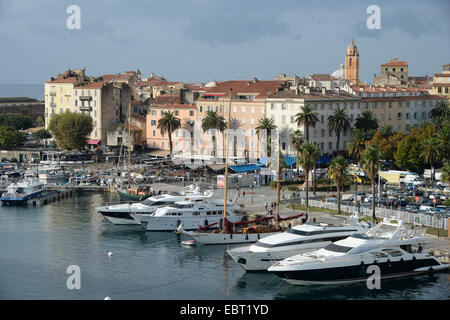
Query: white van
[(414, 179)]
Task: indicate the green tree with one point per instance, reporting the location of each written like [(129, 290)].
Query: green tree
[(169, 123), (440, 112), (266, 124), (40, 121), (357, 145), (305, 159), (214, 120), (17, 121), (371, 164), (443, 137), (387, 131), (407, 154), (431, 153), (337, 171), (10, 137), (43, 134), (339, 121), (308, 118), (367, 123), (71, 129), (445, 175)]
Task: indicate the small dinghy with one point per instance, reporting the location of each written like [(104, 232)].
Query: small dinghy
[(189, 243)]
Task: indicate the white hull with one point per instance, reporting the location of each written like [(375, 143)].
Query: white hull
[(121, 221), (226, 238), (170, 223), (261, 261)]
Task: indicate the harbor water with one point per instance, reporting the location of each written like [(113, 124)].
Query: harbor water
[(38, 244)]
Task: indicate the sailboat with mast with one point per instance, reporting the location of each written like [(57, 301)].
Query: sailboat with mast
[(233, 232), (127, 192)]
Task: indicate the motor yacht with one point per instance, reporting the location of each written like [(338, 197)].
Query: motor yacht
[(396, 250), (120, 213), (189, 213), (298, 239), (22, 191)]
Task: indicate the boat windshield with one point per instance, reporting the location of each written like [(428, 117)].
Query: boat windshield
[(316, 232), (149, 202), (337, 248)]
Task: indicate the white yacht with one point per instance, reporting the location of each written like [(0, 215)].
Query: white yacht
[(22, 191), (191, 214), (120, 213), (51, 173), (397, 251), (298, 239)]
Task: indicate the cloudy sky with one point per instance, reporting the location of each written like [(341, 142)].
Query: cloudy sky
[(204, 40)]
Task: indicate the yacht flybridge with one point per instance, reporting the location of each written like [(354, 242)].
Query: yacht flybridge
[(189, 213), (397, 251), (298, 239), (120, 214)]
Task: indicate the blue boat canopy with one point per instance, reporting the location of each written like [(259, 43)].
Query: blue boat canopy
[(245, 168), (290, 160)]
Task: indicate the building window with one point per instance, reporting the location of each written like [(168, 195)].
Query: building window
[(154, 133), (176, 112), (322, 118), (399, 104), (201, 108), (330, 146), (191, 113), (153, 112), (243, 109), (407, 115), (153, 123), (321, 146), (162, 145), (393, 69), (389, 117), (323, 133), (399, 115), (76, 103)]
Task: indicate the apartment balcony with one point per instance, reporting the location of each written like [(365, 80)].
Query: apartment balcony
[(86, 98), (52, 93), (52, 104), (85, 108)]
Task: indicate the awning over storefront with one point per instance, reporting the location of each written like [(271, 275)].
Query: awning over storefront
[(94, 142), (245, 168), (325, 159)]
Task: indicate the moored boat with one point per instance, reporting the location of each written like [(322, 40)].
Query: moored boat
[(22, 191), (393, 249)]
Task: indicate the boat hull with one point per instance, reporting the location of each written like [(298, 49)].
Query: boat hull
[(129, 197), (261, 261), (170, 223), (228, 238), (358, 272), (19, 200)]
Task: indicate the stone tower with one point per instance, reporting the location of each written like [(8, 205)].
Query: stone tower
[(352, 63)]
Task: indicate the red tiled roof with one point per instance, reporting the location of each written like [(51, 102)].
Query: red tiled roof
[(260, 88), (424, 97), (63, 80), (442, 75), (93, 85), (174, 106), (167, 99), (395, 64), (438, 84)]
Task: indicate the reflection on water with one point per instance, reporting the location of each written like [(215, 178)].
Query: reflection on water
[(39, 243)]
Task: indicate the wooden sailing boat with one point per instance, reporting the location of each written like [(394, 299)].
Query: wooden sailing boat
[(228, 233), (131, 193)]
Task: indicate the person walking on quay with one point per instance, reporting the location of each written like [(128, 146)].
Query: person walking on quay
[(266, 205), (243, 194)]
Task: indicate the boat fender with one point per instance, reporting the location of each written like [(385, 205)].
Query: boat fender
[(178, 222), (258, 236), (231, 236), (246, 236), (414, 258), (401, 259), (375, 261), (362, 263), (388, 261), (431, 269)]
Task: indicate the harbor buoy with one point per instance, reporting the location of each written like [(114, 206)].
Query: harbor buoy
[(189, 242), (110, 254), (107, 298)]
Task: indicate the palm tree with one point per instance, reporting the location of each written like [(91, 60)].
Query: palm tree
[(308, 118), (235, 124), (169, 123), (337, 172), (305, 158), (371, 164), (431, 152), (445, 176), (213, 120), (358, 144), (443, 136), (366, 122), (316, 155), (338, 122), (441, 110), (297, 138), (387, 131), (266, 124)]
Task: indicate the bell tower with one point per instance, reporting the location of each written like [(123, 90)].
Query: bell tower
[(352, 63)]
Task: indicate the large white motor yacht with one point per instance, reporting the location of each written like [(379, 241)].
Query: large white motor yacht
[(397, 252), (298, 239), (190, 214), (120, 213)]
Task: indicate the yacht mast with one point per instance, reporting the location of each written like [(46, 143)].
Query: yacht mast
[(226, 162), (129, 146), (278, 185)]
